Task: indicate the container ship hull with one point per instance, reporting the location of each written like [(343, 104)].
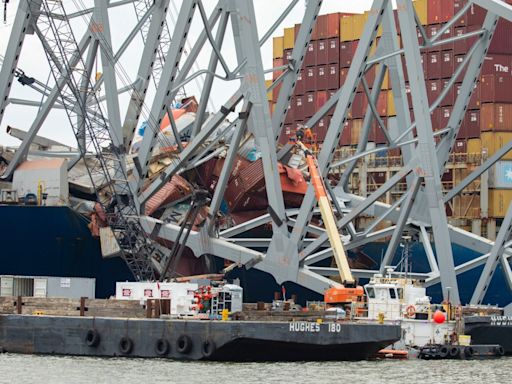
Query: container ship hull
[(55, 241)]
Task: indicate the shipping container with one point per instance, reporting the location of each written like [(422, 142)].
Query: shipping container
[(449, 99), (346, 134), (475, 146), (310, 59), (471, 124), (496, 117), (300, 87), (501, 42), (474, 102), (333, 76), (289, 38), (359, 106), (347, 52), (435, 11), (493, 141), (310, 104), (327, 26), (497, 65), (355, 133), (298, 109), (460, 146), (499, 201), (322, 52), (46, 286), (343, 75), (285, 134), (268, 83), (447, 64), (495, 89), (291, 112), (310, 81), (457, 6), (333, 50), (500, 175), (432, 30), (320, 129), (346, 33), (391, 104), (321, 77), (287, 56), (278, 47), (421, 7), (434, 65), (382, 103), (433, 90), (277, 63)]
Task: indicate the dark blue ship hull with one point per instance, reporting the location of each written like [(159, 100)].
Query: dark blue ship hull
[(55, 241)]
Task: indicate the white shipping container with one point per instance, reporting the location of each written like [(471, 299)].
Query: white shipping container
[(49, 175), (108, 243), (500, 175), (48, 286), (180, 294)]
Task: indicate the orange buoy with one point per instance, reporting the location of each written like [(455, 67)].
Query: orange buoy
[(439, 317)]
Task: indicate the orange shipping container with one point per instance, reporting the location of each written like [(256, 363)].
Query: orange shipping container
[(278, 47), (421, 7), (391, 104), (357, 126), (499, 200), (496, 117), (493, 141)]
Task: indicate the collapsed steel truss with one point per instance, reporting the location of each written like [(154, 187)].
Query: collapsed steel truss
[(290, 255)]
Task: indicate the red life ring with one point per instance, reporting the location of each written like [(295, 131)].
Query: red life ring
[(410, 311)]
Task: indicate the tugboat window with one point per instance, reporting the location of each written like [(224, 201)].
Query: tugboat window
[(371, 293), (392, 293)]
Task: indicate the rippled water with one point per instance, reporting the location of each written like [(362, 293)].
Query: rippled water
[(50, 369)]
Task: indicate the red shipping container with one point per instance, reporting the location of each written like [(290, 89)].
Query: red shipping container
[(444, 117), (331, 93), (333, 76), (343, 75), (310, 80), (376, 133), (321, 99), (497, 65), (496, 117), (501, 41), (434, 65), (474, 102), (370, 78), (433, 90), (359, 106), (449, 99), (424, 63), (447, 64), (457, 6), (471, 124), (382, 103), (333, 50), (322, 52), (495, 89), (277, 63), (457, 60), (310, 59), (285, 134), (287, 56), (320, 129), (310, 105), (475, 15), (300, 87), (275, 92), (345, 138), (291, 114), (298, 107), (460, 146), (432, 30), (347, 51), (435, 11), (321, 77), (460, 47)]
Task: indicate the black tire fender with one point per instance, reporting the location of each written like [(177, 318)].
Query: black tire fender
[(208, 348), (469, 351), (499, 350), (454, 352), (125, 345), (184, 344), (443, 351), (92, 338), (162, 347)]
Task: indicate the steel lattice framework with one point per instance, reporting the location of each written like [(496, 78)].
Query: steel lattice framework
[(290, 254)]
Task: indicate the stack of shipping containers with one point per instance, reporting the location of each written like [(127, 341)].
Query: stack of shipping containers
[(488, 122)]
